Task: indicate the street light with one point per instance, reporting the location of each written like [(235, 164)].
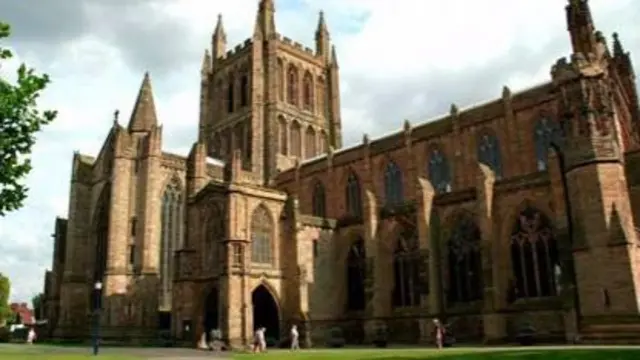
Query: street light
[(97, 294)]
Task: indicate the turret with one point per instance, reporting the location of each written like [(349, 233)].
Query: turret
[(205, 110), (196, 168), (333, 80), (322, 38), (143, 116), (265, 25), (581, 28), (219, 40)]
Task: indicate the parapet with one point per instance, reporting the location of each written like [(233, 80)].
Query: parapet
[(295, 45), (239, 48)]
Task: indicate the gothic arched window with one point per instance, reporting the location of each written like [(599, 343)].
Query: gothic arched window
[(353, 196), (319, 200), (406, 270), (310, 143), (281, 80), (261, 236), (282, 135), (393, 184), (292, 85), (322, 142), (214, 233), (230, 94), (439, 172), (356, 266), (244, 90), (296, 139), (170, 238), (534, 255), (238, 137), (489, 153), (102, 233), (320, 95), (464, 262), (546, 132), (307, 91)]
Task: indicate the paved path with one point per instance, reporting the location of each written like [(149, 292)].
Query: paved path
[(144, 352)]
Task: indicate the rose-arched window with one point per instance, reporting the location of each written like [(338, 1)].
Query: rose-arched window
[(439, 172), (261, 236), (546, 133), (171, 237), (406, 270), (356, 266), (489, 153), (534, 255), (464, 261), (393, 188)]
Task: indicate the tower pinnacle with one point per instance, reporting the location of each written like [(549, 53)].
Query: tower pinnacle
[(143, 116), (580, 26)]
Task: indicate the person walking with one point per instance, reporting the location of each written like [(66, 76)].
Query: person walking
[(256, 340), (439, 330), (295, 338), (31, 336), (263, 340)]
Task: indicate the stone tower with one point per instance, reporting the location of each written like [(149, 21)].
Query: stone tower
[(598, 130), (271, 98)]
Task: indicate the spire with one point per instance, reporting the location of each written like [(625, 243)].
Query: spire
[(143, 116), (622, 57), (334, 57), (322, 37), (219, 40), (265, 19), (206, 63), (618, 50), (580, 26)]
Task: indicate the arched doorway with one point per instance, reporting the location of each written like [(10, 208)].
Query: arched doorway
[(211, 313), (265, 313)]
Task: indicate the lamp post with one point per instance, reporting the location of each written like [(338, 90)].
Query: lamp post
[(97, 295)]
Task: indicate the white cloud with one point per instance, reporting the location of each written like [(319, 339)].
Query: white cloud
[(399, 59)]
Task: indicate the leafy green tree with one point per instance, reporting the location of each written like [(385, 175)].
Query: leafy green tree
[(20, 120), (5, 290), (36, 302)]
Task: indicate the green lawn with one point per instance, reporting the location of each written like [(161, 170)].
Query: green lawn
[(36, 352), (452, 354)]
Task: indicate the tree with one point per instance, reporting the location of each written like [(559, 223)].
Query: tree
[(36, 302), (20, 120), (5, 308)]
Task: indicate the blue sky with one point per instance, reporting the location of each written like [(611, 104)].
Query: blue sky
[(399, 59)]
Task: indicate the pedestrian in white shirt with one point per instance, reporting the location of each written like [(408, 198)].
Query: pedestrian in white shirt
[(295, 338)]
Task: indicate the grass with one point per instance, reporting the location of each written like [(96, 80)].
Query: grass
[(36, 352), (44, 352), (452, 354)]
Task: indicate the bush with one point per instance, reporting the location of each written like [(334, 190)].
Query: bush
[(335, 339), (526, 335), (5, 334), (380, 337)]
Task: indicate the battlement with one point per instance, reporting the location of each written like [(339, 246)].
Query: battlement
[(238, 49), (294, 44), (579, 64), (448, 124)]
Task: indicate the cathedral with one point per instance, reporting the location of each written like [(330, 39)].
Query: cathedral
[(518, 213)]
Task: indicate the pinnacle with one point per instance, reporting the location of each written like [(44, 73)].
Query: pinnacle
[(143, 116)]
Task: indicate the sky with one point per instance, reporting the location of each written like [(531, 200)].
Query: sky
[(401, 59)]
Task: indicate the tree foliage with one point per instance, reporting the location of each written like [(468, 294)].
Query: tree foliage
[(5, 290), (36, 303), (20, 121)]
